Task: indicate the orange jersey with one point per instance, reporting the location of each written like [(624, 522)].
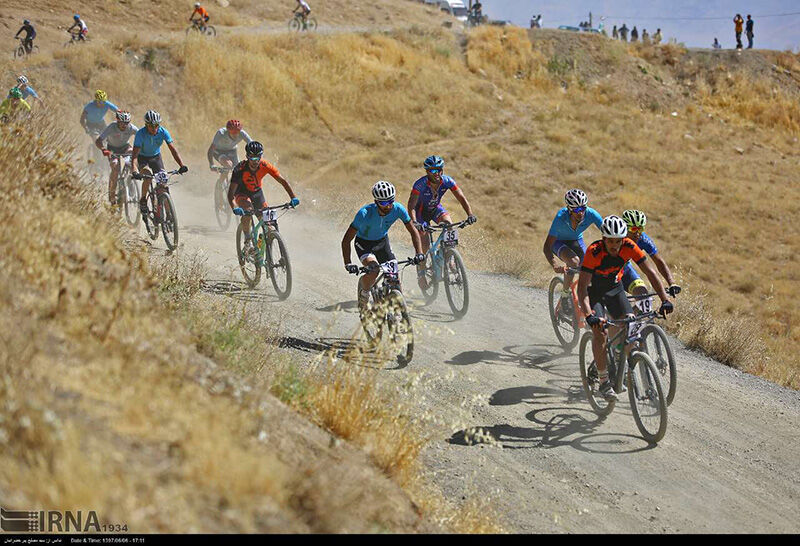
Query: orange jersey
[(251, 181), (201, 11), (606, 269)]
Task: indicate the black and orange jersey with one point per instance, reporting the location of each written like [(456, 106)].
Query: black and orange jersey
[(201, 11), (606, 269), (249, 180)]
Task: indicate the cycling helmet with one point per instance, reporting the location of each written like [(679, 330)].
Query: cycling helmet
[(100, 95), (151, 117), (161, 177), (383, 190), (197, 4), (26, 22), (634, 218), (123, 116), (575, 198), (234, 125), (22, 80), (15, 93), (614, 227), (254, 149), (433, 162), (76, 16)]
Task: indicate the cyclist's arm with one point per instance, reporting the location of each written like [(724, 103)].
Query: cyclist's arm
[(663, 268), (286, 186), (463, 200), (175, 155), (99, 141), (210, 155), (414, 237), (647, 268), (134, 155), (17, 34), (83, 119), (412, 205), (346, 240), (547, 249), (584, 280)]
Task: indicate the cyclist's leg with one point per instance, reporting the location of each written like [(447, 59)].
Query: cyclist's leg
[(243, 201), (423, 218), (114, 163), (571, 253), (633, 284), (152, 166), (618, 307)]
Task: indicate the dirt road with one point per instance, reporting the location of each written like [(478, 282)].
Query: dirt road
[(730, 461)]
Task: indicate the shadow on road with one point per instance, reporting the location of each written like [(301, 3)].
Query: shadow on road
[(351, 306), (353, 351), (237, 290), (526, 356), (209, 231)]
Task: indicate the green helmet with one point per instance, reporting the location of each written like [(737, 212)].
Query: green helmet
[(15, 93), (634, 218)]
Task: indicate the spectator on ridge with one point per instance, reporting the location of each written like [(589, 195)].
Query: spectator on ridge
[(645, 36), (623, 33), (657, 37), (614, 33), (748, 27), (716, 44), (634, 34), (738, 22)]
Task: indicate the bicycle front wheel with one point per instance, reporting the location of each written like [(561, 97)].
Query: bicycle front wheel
[(398, 332), (211, 31), (590, 377), (295, 24), (646, 394), (565, 323), (456, 286), (311, 24), (249, 258), (432, 279), (221, 208), (280, 268), (19, 52), (169, 221), (150, 223), (656, 344), (130, 195)]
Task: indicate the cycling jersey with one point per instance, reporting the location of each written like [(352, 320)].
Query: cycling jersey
[(95, 114), (30, 32), (249, 180), (371, 226), (429, 199), (304, 5), (223, 142), (199, 11), (606, 269), (28, 91), (150, 145), (561, 227), (7, 107), (646, 243), (116, 138), (629, 274), (80, 24)]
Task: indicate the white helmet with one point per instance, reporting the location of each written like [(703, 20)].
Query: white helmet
[(614, 227), (152, 117), (383, 190), (575, 198), (22, 80), (161, 177), (123, 116), (197, 4)]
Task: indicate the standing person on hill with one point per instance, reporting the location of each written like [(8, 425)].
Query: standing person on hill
[(738, 23), (645, 36), (614, 33), (657, 37), (623, 33), (748, 27), (716, 44), (30, 34), (634, 34), (203, 13)]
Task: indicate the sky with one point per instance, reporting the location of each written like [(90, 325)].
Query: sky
[(781, 32)]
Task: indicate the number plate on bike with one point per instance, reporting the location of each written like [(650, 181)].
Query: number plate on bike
[(269, 216), (451, 237), (390, 268), (634, 330), (644, 305)]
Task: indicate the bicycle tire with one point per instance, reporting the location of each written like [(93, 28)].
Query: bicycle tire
[(282, 264), (589, 380), (151, 226), (211, 31), (191, 28), (565, 338), (370, 323), (646, 392), (131, 195), (453, 278), (221, 208), (398, 320), (169, 221), (663, 357), (250, 266), (294, 25), (311, 24), (429, 294), (19, 52)]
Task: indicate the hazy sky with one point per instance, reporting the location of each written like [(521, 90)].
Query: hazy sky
[(770, 32)]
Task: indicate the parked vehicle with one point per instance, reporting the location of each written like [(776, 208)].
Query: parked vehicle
[(456, 8)]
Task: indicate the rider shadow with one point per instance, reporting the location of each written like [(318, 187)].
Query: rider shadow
[(206, 231), (351, 306), (237, 290), (351, 350), (534, 356), (347, 306)]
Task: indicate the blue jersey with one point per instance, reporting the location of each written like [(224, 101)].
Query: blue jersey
[(150, 145), (372, 226), (429, 199), (646, 243), (29, 92), (96, 114), (561, 227)]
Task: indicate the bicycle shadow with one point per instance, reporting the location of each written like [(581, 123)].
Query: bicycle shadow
[(237, 290), (354, 351), (351, 306), (526, 356), (207, 231)]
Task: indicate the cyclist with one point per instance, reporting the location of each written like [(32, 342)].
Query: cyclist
[(83, 30), (425, 204), (117, 137), (370, 229), (13, 105), (223, 146), (27, 90), (600, 289), (147, 152), (202, 12), (636, 220), (565, 238), (94, 113), (302, 4), (246, 192), (30, 35)]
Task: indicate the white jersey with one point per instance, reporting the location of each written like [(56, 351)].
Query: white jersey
[(224, 143), (304, 5), (116, 138)]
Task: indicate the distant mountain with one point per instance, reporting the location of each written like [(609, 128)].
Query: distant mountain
[(770, 32)]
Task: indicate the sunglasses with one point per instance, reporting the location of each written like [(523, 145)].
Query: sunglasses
[(152, 124), (384, 203), (578, 210), (256, 158), (435, 171), (635, 229)]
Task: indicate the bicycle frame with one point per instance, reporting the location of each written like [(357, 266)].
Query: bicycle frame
[(575, 301), (632, 342), (388, 279), (271, 224), (435, 246)]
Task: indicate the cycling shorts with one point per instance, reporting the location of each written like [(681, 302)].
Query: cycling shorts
[(226, 154), (154, 163), (381, 249), (614, 300), (250, 200), (119, 150), (430, 215), (577, 246)]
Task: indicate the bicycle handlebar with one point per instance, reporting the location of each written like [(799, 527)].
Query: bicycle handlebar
[(372, 267), (641, 296), (151, 176), (221, 169), (442, 227)]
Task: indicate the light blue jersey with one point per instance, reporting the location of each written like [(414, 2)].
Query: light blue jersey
[(150, 145), (371, 226), (561, 227), (96, 114), (29, 92)]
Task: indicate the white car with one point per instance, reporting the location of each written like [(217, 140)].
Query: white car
[(456, 8)]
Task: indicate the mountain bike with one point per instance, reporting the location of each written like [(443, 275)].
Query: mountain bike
[(636, 371), (264, 248), (197, 28), (566, 315), (75, 37), (386, 317), (20, 51), (222, 209), (161, 212), (296, 23), (656, 344), (127, 191), (443, 263)]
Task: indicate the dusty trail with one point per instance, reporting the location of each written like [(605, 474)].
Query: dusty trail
[(729, 461)]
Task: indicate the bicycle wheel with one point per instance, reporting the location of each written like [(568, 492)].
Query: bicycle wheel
[(565, 323), (432, 290), (646, 394), (277, 261), (656, 344), (150, 223), (398, 332), (371, 322), (311, 24), (19, 52), (211, 31), (169, 221), (456, 285), (590, 378), (222, 209), (131, 199), (295, 24), (249, 260), (192, 28)]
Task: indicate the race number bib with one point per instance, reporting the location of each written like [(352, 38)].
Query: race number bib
[(390, 267), (644, 305), (451, 237), (269, 216)]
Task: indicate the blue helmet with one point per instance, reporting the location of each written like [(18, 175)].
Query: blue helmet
[(433, 162), (76, 16)]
